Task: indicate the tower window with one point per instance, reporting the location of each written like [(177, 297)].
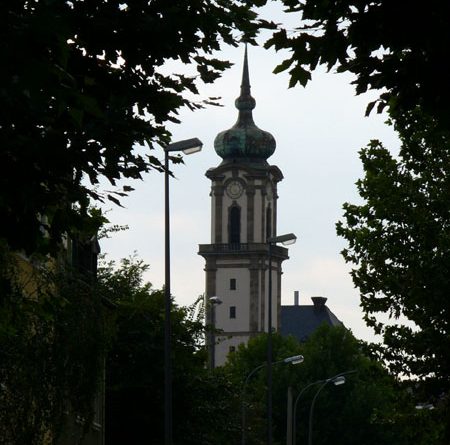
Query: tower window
[(232, 283), (268, 222), (235, 225), (232, 311)]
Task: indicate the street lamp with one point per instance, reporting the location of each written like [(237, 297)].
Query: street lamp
[(214, 301), (294, 415), (294, 360), (187, 146), (425, 406), (287, 239), (337, 380)]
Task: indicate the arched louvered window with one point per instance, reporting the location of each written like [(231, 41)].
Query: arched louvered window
[(235, 225)]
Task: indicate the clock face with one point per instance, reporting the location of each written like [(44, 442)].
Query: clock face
[(234, 189)]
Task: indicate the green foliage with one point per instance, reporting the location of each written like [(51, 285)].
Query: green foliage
[(204, 404), (396, 50), (83, 82), (399, 242), (247, 358), (51, 349), (371, 408)]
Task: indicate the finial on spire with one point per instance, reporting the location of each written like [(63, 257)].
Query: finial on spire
[(244, 141), (245, 85), (245, 101)]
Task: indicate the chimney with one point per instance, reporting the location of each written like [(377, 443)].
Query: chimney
[(296, 298), (319, 302)]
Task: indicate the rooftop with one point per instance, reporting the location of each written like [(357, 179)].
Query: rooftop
[(301, 321)]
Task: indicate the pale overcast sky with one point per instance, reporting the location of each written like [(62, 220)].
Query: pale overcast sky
[(319, 131)]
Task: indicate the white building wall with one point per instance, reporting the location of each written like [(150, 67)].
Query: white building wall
[(223, 345), (237, 330), (237, 298)]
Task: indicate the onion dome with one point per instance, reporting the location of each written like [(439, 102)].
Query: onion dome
[(244, 141)]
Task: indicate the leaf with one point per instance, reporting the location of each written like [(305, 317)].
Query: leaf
[(370, 107), (299, 75), (283, 66), (114, 200)]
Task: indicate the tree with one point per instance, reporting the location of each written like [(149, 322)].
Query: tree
[(396, 50), (51, 349), (205, 405), (83, 82), (242, 362), (399, 242), (371, 408)]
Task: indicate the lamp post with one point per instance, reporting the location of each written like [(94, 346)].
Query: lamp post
[(294, 415), (187, 146), (295, 360), (214, 301), (337, 380), (287, 239)]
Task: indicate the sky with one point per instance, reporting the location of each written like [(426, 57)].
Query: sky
[(319, 131)]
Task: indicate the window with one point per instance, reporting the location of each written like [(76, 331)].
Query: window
[(268, 223), (232, 311), (232, 283), (232, 349), (235, 225)]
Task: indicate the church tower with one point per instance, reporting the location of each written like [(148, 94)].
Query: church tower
[(243, 216)]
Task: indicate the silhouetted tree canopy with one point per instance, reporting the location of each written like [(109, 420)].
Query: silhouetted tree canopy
[(399, 243), (372, 407), (397, 49), (81, 83), (205, 404)]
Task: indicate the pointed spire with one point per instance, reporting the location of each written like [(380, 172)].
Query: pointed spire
[(245, 141), (245, 85), (245, 102)]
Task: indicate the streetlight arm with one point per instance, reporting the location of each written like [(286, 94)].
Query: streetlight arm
[(250, 374), (294, 427), (311, 410), (294, 360), (244, 387)]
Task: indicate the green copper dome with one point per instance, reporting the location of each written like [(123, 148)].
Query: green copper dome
[(244, 141)]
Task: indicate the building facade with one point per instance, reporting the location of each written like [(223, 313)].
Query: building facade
[(243, 216)]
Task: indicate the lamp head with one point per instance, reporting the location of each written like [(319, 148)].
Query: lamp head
[(295, 359), (187, 146), (340, 380), (425, 406), (215, 300), (287, 239)]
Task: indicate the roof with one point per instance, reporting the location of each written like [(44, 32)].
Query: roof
[(301, 321), (245, 142)]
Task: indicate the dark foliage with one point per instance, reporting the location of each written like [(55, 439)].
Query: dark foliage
[(51, 349), (400, 51), (82, 82), (370, 408), (204, 404), (399, 242)]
